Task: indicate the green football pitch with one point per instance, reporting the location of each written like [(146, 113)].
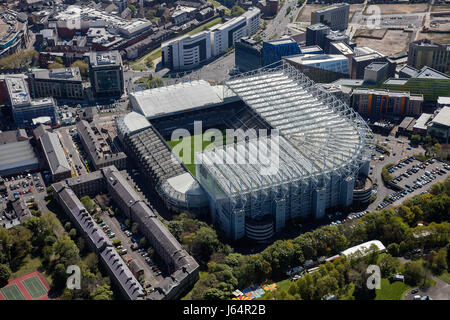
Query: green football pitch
[(35, 287), (12, 292)]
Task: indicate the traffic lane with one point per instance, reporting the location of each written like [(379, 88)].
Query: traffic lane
[(126, 242)]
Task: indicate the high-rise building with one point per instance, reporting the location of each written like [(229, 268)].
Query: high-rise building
[(186, 51), (423, 53), (223, 36), (248, 54), (315, 34), (274, 50), (335, 16), (106, 73)]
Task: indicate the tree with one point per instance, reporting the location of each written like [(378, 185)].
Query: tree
[(88, 203), (59, 60), (439, 263), (205, 243), (20, 59), (388, 265), (67, 251), (236, 11), (143, 242), (73, 233), (83, 66), (132, 8), (5, 273), (415, 139), (414, 273), (55, 65), (117, 242), (102, 293), (393, 249)]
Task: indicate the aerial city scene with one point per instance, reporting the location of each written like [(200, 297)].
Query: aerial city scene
[(224, 150)]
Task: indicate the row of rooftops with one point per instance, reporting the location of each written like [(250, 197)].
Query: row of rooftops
[(183, 263), (98, 149), (99, 240)]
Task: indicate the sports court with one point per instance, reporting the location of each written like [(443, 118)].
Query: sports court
[(32, 286), (12, 292)]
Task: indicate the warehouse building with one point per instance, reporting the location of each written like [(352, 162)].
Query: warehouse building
[(16, 153), (55, 156)]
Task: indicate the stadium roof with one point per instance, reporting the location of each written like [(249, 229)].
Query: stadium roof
[(179, 97), (317, 134), (443, 117), (132, 122)]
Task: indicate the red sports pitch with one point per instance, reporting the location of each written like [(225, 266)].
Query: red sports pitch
[(32, 286)]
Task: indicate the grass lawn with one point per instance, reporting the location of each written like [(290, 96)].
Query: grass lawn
[(391, 291), (140, 63), (201, 274), (188, 142), (31, 264), (284, 284), (206, 26), (445, 276)]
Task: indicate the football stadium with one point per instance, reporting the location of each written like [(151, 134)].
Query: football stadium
[(303, 161)]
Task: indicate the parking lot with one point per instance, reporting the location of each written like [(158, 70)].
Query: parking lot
[(414, 177), (152, 274), (19, 186)]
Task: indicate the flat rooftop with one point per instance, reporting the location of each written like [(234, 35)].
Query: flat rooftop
[(312, 59), (105, 58), (430, 73), (443, 117), (333, 7), (18, 90), (422, 121), (61, 74), (376, 66)]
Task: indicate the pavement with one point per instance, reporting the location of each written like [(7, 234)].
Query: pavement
[(149, 275)]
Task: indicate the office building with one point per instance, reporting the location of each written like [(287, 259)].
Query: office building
[(316, 33), (187, 51), (424, 52), (335, 16), (274, 50), (322, 68), (379, 103), (440, 125), (359, 62), (106, 74), (23, 108), (253, 16), (376, 72), (224, 35), (247, 54), (64, 83)]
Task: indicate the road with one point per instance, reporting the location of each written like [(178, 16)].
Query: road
[(277, 27)]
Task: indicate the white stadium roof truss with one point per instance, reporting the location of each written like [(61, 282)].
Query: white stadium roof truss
[(319, 135)]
